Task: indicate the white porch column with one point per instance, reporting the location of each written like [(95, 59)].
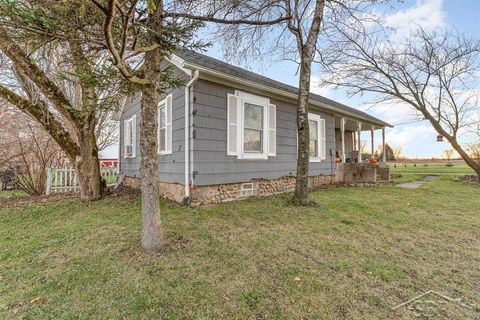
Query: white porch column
[(359, 141), (372, 134), (384, 156), (342, 129)]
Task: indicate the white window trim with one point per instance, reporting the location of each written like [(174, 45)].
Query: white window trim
[(264, 103), (133, 120), (163, 104), (320, 136)]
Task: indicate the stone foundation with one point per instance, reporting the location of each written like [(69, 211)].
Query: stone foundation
[(259, 187), (172, 191), (349, 173), (228, 192)]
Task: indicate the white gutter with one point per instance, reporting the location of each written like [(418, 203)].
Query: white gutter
[(187, 137)]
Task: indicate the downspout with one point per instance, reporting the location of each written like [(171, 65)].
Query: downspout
[(186, 198)]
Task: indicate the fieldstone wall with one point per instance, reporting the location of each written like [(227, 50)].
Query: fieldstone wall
[(131, 182), (261, 187), (200, 195), (172, 191), (276, 186)]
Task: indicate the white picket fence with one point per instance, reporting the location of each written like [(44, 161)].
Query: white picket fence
[(65, 179)]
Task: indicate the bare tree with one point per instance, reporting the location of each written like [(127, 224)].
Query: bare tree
[(473, 147), (106, 130), (294, 36), (447, 154), (27, 150), (474, 150), (432, 72)]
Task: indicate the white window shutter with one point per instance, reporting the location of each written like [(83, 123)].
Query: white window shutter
[(232, 125), (158, 130), (125, 138), (322, 150), (272, 130), (168, 125), (134, 136)]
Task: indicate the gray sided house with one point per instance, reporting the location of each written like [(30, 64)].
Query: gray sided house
[(231, 133)]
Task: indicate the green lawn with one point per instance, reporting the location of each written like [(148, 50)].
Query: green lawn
[(362, 252), (456, 169)]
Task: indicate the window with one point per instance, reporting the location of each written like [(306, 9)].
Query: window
[(252, 128), (165, 126), (129, 137), (251, 132), (313, 146), (317, 142), (162, 128)]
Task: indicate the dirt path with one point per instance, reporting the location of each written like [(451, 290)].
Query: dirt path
[(418, 183)]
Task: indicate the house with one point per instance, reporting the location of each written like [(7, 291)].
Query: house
[(231, 133)]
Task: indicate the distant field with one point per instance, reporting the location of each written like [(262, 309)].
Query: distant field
[(431, 168)]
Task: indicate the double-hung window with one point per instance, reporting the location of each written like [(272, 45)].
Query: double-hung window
[(129, 137), (165, 126), (317, 142), (251, 132), (253, 128)]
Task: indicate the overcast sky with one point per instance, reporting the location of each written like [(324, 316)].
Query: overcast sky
[(417, 139)]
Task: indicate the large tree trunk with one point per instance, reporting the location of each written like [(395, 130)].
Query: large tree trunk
[(453, 142), (307, 52), (152, 235), (301, 186), (87, 165), (475, 165)]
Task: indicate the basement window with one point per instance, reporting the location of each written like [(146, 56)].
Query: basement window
[(247, 189)]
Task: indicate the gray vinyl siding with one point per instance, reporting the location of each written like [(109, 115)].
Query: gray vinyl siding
[(211, 164), (130, 166), (171, 166)]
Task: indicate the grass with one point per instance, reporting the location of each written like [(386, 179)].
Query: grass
[(9, 194), (428, 168), (362, 252)]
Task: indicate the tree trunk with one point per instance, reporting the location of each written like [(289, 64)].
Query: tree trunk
[(303, 157), (87, 166), (307, 51), (152, 235), (453, 142), (468, 160)]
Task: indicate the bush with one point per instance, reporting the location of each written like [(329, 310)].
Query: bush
[(449, 165), (425, 164)]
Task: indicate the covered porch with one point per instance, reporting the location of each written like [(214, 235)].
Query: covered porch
[(360, 161), (349, 145)]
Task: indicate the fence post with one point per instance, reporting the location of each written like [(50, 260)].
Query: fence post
[(74, 180), (49, 181)]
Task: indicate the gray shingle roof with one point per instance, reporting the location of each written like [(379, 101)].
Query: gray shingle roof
[(213, 64)]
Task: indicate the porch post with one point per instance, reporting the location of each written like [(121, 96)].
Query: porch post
[(342, 129), (384, 155), (372, 134), (359, 141)]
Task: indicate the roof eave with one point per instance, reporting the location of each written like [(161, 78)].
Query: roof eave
[(313, 102)]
